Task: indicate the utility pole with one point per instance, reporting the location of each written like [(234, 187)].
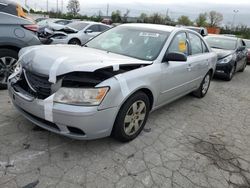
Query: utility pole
[(26, 3), (57, 6), (62, 6), (47, 6), (107, 14), (235, 12)]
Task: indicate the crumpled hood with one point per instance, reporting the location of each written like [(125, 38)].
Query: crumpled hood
[(221, 53), (40, 59)]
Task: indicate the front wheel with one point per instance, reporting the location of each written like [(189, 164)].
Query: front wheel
[(244, 66), (132, 117), (8, 63), (75, 42), (230, 75), (203, 89)]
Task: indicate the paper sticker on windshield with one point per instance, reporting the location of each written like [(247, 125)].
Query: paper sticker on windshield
[(20, 12), (182, 46), (146, 34)]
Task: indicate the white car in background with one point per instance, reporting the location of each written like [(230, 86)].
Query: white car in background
[(86, 31)]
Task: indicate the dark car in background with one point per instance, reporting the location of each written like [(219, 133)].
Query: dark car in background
[(16, 31), (232, 54), (248, 48)]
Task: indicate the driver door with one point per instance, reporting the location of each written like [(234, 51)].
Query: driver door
[(175, 80), (91, 32)]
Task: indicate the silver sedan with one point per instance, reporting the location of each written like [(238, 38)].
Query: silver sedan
[(109, 86)]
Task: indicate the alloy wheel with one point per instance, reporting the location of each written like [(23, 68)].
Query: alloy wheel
[(135, 117), (206, 83), (232, 72), (7, 67)]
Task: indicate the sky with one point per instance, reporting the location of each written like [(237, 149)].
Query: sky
[(174, 8)]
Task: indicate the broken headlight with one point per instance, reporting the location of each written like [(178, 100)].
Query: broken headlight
[(81, 96)]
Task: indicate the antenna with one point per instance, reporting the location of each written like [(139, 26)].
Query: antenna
[(107, 10)]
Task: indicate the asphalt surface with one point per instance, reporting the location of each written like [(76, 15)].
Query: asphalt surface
[(189, 143)]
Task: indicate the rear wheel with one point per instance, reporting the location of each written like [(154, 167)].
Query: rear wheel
[(75, 42), (203, 89), (8, 60), (230, 75), (132, 117)]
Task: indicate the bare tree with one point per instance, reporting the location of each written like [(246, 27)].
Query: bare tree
[(73, 7), (215, 18), (125, 16)]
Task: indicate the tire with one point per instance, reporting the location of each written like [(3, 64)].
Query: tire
[(231, 74), (205, 84), (244, 66), (75, 42), (135, 110), (8, 58)]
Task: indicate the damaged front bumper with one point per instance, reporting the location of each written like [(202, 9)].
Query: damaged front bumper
[(78, 122)]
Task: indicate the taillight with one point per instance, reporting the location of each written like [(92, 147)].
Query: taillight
[(32, 27)]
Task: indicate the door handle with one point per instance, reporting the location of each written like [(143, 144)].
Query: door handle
[(189, 68)]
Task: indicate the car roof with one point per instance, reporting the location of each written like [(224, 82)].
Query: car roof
[(88, 22), (151, 26), (222, 36)]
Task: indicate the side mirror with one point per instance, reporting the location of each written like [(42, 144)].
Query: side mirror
[(88, 31), (175, 56)]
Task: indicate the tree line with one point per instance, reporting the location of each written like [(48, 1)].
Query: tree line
[(207, 19)]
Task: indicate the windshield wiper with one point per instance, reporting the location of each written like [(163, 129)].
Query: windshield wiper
[(216, 47)]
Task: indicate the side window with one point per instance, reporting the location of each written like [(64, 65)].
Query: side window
[(239, 43), (204, 47), (196, 45), (103, 28), (179, 44), (94, 28), (243, 43)]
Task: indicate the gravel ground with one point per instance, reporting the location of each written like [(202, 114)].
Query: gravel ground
[(189, 143)]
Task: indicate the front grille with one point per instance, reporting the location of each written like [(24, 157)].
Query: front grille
[(39, 84)]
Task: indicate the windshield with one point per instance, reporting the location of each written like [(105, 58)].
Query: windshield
[(144, 44), (78, 25), (222, 43)]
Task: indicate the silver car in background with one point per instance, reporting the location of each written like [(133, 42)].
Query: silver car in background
[(109, 86), (86, 30)]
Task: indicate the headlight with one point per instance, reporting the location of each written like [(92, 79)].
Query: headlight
[(17, 71), (226, 59), (81, 96), (18, 68)]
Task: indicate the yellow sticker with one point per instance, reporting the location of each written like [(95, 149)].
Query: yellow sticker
[(182, 46), (20, 12)]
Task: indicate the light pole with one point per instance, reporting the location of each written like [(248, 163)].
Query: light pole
[(235, 12)]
